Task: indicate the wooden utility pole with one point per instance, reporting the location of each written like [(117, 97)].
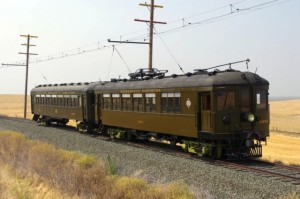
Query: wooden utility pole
[(152, 22), (151, 26), (28, 45)]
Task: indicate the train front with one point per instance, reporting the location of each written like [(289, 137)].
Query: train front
[(241, 117)]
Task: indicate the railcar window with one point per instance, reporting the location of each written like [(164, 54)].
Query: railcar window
[(138, 102), (116, 102), (48, 100), (206, 102), (171, 102), (60, 100), (67, 101), (74, 99), (261, 100), (37, 99), (43, 99), (150, 102), (226, 100), (126, 102), (245, 101), (106, 101), (80, 101)]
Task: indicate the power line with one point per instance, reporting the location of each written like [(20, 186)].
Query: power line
[(168, 49), (123, 59), (101, 45)]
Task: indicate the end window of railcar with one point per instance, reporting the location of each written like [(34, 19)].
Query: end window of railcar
[(261, 100), (138, 102), (150, 102), (245, 100), (116, 102), (126, 102), (226, 100)]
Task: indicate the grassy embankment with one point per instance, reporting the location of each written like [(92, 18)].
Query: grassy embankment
[(32, 169)]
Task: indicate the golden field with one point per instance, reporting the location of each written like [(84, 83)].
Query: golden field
[(283, 144)]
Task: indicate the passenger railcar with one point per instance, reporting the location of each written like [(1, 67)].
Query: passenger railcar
[(61, 102), (219, 113)]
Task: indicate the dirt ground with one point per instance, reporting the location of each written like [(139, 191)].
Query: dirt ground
[(283, 144)]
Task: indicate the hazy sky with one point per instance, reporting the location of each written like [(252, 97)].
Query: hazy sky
[(265, 31)]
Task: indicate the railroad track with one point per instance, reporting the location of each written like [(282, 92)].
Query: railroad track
[(276, 171)]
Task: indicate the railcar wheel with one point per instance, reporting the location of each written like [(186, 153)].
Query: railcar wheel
[(48, 122)]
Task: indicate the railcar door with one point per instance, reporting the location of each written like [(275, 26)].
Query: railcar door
[(204, 112)]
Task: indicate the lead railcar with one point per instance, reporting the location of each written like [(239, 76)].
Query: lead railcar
[(215, 114)]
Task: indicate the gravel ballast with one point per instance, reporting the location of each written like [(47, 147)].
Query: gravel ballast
[(204, 179)]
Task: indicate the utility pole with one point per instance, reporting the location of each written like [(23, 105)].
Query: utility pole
[(152, 22), (27, 64), (28, 45), (151, 26)]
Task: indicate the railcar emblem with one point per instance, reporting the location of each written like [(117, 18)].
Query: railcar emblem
[(188, 103)]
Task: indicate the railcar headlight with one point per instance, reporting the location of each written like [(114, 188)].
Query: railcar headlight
[(226, 119), (251, 117), (249, 143)]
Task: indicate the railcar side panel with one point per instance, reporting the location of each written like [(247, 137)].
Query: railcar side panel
[(59, 112), (180, 125)]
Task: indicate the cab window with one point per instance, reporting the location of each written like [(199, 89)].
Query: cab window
[(261, 100), (226, 100), (245, 100)]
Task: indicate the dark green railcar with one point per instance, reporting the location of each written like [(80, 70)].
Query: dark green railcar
[(60, 103), (215, 114)]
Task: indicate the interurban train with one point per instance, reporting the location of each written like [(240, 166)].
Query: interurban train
[(210, 113)]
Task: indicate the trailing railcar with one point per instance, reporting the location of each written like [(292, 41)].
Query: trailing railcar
[(214, 114), (60, 103)]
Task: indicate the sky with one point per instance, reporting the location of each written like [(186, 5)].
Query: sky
[(72, 40)]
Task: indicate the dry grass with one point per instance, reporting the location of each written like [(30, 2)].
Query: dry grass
[(35, 168), (285, 115), (13, 106), (282, 148)]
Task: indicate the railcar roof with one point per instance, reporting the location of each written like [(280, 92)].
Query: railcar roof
[(228, 78), (75, 88), (224, 78)]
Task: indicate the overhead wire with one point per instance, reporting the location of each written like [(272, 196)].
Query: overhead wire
[(123, 59), (111, 58), (168, 49), (102, 45)]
